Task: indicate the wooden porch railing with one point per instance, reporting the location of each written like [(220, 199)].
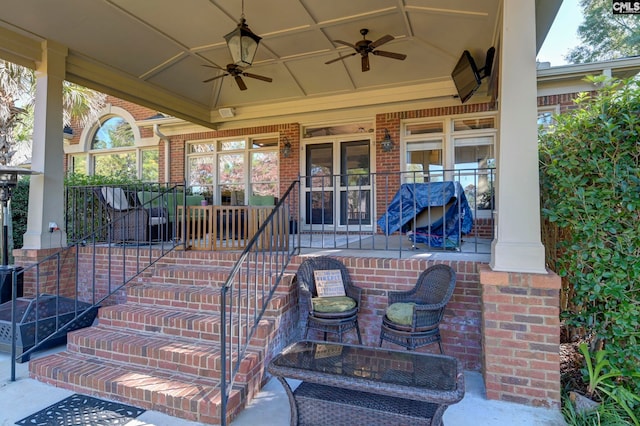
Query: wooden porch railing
[(219, 228)]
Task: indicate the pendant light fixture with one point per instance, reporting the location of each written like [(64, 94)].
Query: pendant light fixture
[(242, 43)]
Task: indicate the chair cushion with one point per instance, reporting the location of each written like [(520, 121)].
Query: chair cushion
[(401, 313), (333, 304), (116, 198)]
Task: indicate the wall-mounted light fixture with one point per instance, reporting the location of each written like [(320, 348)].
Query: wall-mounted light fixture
[(286, 148), (67, 133), (387, 143)]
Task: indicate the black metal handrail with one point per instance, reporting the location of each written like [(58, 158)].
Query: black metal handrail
[(343, 211), (254, 279), (125, 262)]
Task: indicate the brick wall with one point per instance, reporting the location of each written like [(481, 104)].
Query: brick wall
[(55, 271), (482, 228), (521, 342), (503, 324), (461, 333)]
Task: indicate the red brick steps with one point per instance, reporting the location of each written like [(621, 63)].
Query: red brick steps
[(173, 393), (160, 350)]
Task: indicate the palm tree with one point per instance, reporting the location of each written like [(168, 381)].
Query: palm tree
[(17, 95)]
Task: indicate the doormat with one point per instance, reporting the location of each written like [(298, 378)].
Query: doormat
[(83, 410)]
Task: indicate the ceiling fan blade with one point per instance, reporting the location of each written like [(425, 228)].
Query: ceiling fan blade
[(382, 40), (215, 67), (339, 58), (240, 83), (345, 43), (258, 77), (365, 63), (214, 78), (399, 56)]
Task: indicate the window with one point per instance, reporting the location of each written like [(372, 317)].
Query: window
[(474, 164), (78, 164), (113, 148), (457, 148), (546, 119), (232, 170)]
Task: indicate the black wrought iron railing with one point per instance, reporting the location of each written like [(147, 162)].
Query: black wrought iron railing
[(63, 291), (127, 213), (399, 211), (252, 283)]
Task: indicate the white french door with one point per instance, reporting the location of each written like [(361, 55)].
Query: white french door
[(337, 184)]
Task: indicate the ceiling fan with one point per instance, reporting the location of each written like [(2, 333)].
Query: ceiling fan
[(237, 72), (364, 47)]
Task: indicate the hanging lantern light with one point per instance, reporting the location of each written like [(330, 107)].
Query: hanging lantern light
[(242, 43)]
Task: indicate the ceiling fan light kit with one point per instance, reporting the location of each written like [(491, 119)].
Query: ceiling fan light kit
[(365, 47)]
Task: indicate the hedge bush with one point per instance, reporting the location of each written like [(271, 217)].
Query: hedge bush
[(590, 189)]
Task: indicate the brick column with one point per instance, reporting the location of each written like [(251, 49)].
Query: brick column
[(521, 336)]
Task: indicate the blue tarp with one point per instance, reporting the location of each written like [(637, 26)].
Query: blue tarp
[(414, 198)]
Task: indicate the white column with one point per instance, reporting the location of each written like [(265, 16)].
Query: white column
[(46, 191), (517, 246)]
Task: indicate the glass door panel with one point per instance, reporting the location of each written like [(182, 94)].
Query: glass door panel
[(231, 179), (319, 184), (355, 183)]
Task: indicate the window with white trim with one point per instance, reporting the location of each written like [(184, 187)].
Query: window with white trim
[(112, 149), (459, 148), (230, 171), (546, 117)]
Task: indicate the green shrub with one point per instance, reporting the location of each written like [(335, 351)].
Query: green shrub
[(81, 220), (590, 188)]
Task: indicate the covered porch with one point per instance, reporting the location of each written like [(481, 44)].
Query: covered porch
[(504, 322)]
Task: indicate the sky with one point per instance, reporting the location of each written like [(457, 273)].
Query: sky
[(562, 35)]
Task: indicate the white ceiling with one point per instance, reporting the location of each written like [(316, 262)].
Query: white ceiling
[(153, 51)]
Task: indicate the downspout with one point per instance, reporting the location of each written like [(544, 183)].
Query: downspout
[(167, 152)]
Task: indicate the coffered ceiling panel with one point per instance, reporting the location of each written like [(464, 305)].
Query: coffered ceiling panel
[(154, 51)]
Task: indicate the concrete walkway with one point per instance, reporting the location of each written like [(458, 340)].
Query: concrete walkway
[(26, 396)]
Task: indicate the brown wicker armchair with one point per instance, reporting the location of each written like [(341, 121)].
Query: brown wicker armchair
[(413, 317), (329, 314), (126, 221)]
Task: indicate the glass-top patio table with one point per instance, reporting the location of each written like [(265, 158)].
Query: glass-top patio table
[(358, 385)]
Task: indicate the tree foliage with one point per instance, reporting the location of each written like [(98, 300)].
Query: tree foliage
[(605, 36), (590, 177), (17, 97)]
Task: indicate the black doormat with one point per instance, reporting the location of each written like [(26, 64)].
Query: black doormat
[(82, 410)]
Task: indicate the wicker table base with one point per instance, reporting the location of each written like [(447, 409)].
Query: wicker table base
[(358, 385), (320, 405)]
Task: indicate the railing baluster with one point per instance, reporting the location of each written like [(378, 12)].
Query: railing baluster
[(92, 228)]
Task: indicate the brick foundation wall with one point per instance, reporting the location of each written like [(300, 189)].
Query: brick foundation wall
[(44, 279), (460, 328), (521, 342), (482, 228), (503, 324)]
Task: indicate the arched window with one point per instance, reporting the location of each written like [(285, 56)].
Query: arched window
[(114, 132), (114, 148)]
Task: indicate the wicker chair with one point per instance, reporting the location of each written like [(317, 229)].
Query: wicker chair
[(126, 221), (339, 320), (413, 317)]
